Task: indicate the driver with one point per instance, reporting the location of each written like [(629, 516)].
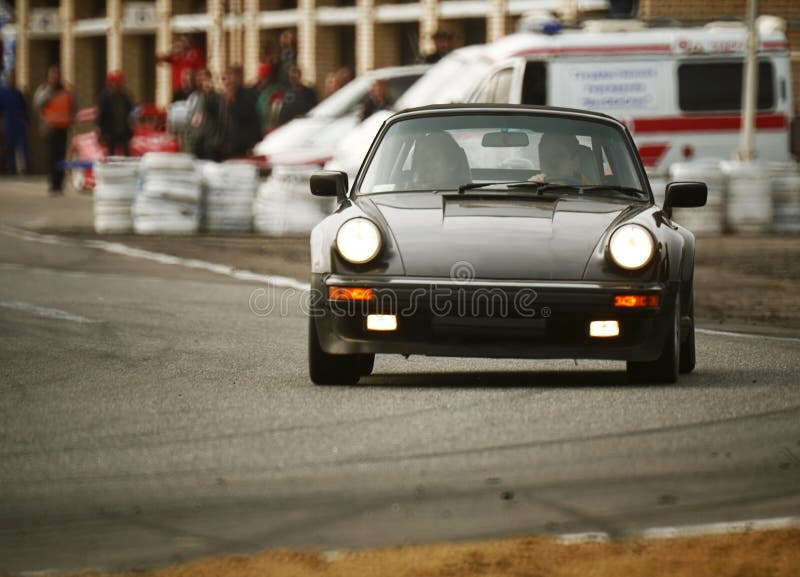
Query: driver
[(560, 159)]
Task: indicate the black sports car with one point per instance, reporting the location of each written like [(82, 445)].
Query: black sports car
[(501, 231)]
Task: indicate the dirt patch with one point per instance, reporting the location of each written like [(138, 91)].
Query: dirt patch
[(743, 280), (771, 553)]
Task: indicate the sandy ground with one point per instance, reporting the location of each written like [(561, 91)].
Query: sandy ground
[(772, 553)]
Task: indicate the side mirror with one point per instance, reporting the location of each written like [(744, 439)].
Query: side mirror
[(329, 183), (684, 195)]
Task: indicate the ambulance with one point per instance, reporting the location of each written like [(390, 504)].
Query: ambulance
[(678, 90)]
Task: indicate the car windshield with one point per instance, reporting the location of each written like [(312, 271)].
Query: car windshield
[(503, 151)]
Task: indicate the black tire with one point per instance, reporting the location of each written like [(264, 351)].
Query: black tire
[(688, 357), (366, 363), (325, 369), (666, 367)]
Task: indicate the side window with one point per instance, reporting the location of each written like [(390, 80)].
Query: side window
[(502, 86), (717, 86), (534, 83)]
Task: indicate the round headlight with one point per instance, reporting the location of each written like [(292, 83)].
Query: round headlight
[(358, 240), (631, 246)]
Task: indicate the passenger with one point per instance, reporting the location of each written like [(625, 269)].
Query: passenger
[(439, 162)]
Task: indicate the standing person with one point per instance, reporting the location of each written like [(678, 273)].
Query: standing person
[(184, 55), (56, 107), (240, 120), (268, 93), (113, 115), (297, 99), (15, 121), (443, 43), (378, 99), (204, 133), (187, 86), (287, 55)]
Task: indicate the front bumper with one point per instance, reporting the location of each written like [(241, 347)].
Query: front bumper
[(511, 319)]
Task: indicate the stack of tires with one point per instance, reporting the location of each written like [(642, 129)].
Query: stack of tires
[(229, 191), (114, 192), (169, 199), (284, 204), (749, 202), (708, 219), (785, 197)]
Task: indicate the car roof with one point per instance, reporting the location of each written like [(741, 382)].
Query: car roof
[(503, 108)]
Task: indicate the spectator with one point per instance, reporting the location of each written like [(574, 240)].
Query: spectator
[(240, 120), (15, 122), (113, 115), (378, 98), (204, 133), (335, 80), (297, 99), (187, 86), (184, 55), (56, 106), (287, 55), (268, 96), (443, 42)]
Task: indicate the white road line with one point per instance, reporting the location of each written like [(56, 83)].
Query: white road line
[(748, 335), (276, 281), (45, 312), (721, 528), (685, 531)]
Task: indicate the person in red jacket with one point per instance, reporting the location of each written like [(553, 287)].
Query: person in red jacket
[(56, 107), (184, 56)]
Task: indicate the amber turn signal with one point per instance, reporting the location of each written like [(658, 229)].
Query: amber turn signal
[(635, 301), (343, 293)]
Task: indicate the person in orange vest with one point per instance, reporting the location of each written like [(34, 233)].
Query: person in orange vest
[(56, 107)]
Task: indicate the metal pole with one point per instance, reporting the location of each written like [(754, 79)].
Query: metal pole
[(750, 89)]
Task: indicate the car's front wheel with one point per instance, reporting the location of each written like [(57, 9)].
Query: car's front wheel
[(688, 358), (666, 367), (326, 369)]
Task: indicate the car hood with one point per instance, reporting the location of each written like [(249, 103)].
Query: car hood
[(496, 236)]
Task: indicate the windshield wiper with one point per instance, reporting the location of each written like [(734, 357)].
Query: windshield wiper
[(542, 187), (474, 185)]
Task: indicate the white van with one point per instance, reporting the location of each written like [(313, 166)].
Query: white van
[(677, 89)]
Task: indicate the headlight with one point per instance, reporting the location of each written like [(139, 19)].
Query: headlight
[(358, 240), (631, 246)]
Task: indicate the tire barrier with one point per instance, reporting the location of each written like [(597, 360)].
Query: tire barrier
[(785, 197), (708, 219), (284, 204), (749, 200), (228, 194), (114, 195), (168, 201)]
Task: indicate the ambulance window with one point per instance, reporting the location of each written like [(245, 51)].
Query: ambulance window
[(502, 86), (534, 84), (712, 87)]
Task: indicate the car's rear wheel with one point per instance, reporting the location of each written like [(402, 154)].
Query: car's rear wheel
[(666, 367), (687, 356), (326, 369)]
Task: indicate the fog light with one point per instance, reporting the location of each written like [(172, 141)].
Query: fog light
[(604, 329), (381, 322)]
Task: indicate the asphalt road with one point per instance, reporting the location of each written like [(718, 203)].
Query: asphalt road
[(148, 415)]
